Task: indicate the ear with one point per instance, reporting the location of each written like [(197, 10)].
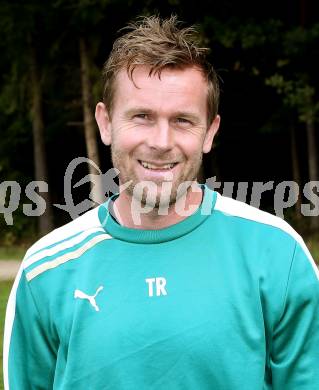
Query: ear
[(104, 123), (210, 134)]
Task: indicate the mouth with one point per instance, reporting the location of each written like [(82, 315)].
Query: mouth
[(157, 167)]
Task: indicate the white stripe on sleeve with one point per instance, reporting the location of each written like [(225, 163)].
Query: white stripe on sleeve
[(10, 314)]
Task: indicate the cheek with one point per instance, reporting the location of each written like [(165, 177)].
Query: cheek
[(125, 139), (124, 143), (192, 147)]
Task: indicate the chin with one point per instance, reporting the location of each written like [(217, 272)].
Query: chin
[(156, 200)]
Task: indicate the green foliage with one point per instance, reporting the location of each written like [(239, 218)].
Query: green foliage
[(83, 14), (23, 231), (313, 245), (13, 92), (248, 35), (259, 56), (299, 40), (294, 78), (5, 288), (296, 94), (275, 54), (12, 252)]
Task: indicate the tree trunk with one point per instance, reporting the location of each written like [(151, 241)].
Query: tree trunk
[(311, 138), (295, 168), (45, 221), (312, 166), (89, 124)]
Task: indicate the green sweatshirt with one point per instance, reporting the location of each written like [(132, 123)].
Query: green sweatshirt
[(226, 299)]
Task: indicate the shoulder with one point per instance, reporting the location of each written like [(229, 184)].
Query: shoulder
[(68, 242), (242, 211), (261, 228), (85, 223)]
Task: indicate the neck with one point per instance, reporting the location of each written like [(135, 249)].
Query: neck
[(157, 218)]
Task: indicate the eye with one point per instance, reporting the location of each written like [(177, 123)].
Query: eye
[(141, 116), (183, 121)]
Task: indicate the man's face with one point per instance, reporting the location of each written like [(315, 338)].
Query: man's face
[(158, 130)]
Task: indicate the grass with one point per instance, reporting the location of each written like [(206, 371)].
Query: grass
[(5, 288), (12, 252)]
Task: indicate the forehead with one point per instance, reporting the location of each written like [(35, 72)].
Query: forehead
[(181, 88)]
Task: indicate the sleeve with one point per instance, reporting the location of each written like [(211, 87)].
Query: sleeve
[(294, 358), (28, 355)]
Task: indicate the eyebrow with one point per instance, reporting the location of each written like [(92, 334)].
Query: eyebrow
[(187, 115), (136, 110)]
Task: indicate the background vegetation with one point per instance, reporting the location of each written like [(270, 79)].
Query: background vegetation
[(267, 57), (5, 288)]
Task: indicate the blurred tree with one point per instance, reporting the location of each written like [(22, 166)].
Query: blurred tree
[(297, 81), (38, 127), (83, 18), (71, 40), (299, 95), (276, 53), (24, 76), (89, 122)]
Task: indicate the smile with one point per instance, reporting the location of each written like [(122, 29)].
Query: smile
[(156, 167)]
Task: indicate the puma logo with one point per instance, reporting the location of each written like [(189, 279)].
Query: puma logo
[(91, 298)]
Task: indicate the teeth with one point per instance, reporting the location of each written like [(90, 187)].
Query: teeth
[(155, 167)]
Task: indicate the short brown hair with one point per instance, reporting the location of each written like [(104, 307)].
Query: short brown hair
[(159, 44)]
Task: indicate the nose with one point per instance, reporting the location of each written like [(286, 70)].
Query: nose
[(161, 137)]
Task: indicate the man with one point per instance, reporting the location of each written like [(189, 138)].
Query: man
[(168, 285)]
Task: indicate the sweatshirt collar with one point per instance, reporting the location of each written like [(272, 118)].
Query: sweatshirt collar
[(169, 233)]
